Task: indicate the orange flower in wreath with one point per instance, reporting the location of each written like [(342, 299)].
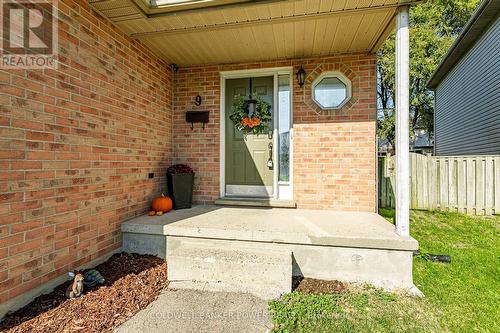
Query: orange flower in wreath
[(255, 122), (251, 122)]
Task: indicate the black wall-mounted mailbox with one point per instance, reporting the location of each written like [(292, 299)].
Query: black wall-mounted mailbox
[(197, 117)]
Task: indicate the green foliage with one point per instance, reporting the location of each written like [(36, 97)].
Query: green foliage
[(465, 291), (459, 297), (434, 25), (240, 115), (361, 309), (301, 312)]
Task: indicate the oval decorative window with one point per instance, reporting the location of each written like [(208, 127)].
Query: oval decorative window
[(331, 90)]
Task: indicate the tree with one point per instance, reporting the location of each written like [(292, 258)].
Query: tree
[(434, 25)]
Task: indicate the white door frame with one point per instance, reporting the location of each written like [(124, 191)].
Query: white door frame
[(246, 73)]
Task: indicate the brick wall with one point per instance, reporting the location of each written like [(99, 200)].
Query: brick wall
[(334, 151), (77, 144), (76, 147)]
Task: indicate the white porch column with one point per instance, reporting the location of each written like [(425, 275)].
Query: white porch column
[(402, 122)]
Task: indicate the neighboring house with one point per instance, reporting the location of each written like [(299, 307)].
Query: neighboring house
[(466, 85), (421, 142), (384, 146), (85, 146)]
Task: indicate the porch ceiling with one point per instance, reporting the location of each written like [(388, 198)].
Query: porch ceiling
[(232, 31)]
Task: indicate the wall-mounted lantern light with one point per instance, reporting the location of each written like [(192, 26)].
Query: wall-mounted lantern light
[(301, 76)]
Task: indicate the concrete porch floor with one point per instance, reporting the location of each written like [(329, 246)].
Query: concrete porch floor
[(296, 226), (233, 248)]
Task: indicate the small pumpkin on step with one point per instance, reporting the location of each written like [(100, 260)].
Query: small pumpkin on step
[(162, 204)]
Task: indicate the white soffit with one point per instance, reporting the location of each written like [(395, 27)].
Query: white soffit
[(230, 31)]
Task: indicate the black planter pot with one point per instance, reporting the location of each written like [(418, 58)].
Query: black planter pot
[(180, 189)]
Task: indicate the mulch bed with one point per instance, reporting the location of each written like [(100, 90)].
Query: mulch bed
[(316, 287), (132, 282)]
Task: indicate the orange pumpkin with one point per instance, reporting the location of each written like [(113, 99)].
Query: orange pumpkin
[(162, 204), (152, 213)]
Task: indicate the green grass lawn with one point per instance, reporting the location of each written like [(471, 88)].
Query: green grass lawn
[(463, 296)]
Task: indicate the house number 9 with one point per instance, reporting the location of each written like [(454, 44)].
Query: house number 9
[(197, 100)]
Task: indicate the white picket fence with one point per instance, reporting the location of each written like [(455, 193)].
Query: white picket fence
[(466, 184)]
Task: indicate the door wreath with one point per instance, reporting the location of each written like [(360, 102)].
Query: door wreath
[(256, 122)]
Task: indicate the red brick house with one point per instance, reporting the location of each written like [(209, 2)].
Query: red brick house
[(78, 142)]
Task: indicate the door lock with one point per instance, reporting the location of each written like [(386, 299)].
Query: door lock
[(270, 163)]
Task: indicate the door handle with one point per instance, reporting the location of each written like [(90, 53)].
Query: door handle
[(270, 163), (270, 135)]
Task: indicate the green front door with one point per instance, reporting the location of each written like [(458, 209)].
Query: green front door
[(248, 172)]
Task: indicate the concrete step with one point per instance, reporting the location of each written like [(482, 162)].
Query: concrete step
[(255, 202), (266, 274)]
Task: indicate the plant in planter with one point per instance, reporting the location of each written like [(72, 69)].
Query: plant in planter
[(180, 179)]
